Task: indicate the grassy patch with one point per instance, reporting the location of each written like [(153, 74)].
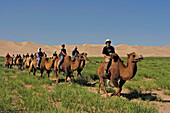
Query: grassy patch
[(23, 92)]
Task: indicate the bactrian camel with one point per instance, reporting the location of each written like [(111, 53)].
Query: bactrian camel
[(28, 62), (83, 62), (44, 65), (19, 62), (119, 71), (9, 62), (68, 66)]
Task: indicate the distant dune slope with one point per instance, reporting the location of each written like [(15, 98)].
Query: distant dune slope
[(93, 50)]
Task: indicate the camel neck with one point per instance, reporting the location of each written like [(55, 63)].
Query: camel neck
[(49, 63), (129, 71), (132, 68)]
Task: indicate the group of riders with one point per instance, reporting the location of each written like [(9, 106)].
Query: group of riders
[(39, 54), (107, 51)]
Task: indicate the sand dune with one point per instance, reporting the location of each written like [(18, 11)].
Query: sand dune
[(93, 50)]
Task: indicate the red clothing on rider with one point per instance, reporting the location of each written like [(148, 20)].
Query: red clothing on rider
[(7, 56)]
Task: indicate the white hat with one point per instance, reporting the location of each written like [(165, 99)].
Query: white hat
[(107, 40)]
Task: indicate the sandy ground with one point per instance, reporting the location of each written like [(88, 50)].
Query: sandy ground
[(93, 50)]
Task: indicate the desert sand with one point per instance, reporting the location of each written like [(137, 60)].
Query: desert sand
[(93, 50)]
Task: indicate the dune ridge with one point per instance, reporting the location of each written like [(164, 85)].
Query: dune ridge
[(93, 50)]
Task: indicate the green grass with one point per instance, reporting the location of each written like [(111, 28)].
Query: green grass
[(21, 92)]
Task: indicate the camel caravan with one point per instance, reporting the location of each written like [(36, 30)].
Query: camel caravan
[(111, 69), (40, 61)]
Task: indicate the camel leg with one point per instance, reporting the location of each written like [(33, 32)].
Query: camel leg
[(20, 67), (42, 71), (71, 75), (71, 79), (57, 79), (56, 71), (79, 73), (48, 73), (121, 83), (99, 86), (115, 83), (67, 75), (66, 78), (34, 71), (104, 87), (30, 69), (24, 67)]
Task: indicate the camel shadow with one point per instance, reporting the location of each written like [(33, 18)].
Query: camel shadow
[(143, 96), (91, 84), (60, 80)]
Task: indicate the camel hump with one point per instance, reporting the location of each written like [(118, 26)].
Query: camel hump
[(84, 53), (67, 57)]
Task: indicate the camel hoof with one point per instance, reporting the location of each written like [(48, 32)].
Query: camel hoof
[(119, 94), (113, 94)]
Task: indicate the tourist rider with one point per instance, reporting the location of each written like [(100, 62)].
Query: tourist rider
[(55, 54), (19, 56), (62, 55), (32, 56), (23, 56), (75, 52), (107, 51), (39, 56), (27, 56), (7, 57), (13, 56)]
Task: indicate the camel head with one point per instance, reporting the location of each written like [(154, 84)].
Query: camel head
[(133, 57), (114, 56), (84, 56), (79, 57), (52, 58)]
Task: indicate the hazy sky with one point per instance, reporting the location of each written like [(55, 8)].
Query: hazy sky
[(52, 22)]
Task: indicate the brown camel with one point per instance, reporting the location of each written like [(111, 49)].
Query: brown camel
[(119, 71), (83, 62), (19, 62), (44, 65), (9, 62), (14, 61), (28, 62), (68, 66)]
